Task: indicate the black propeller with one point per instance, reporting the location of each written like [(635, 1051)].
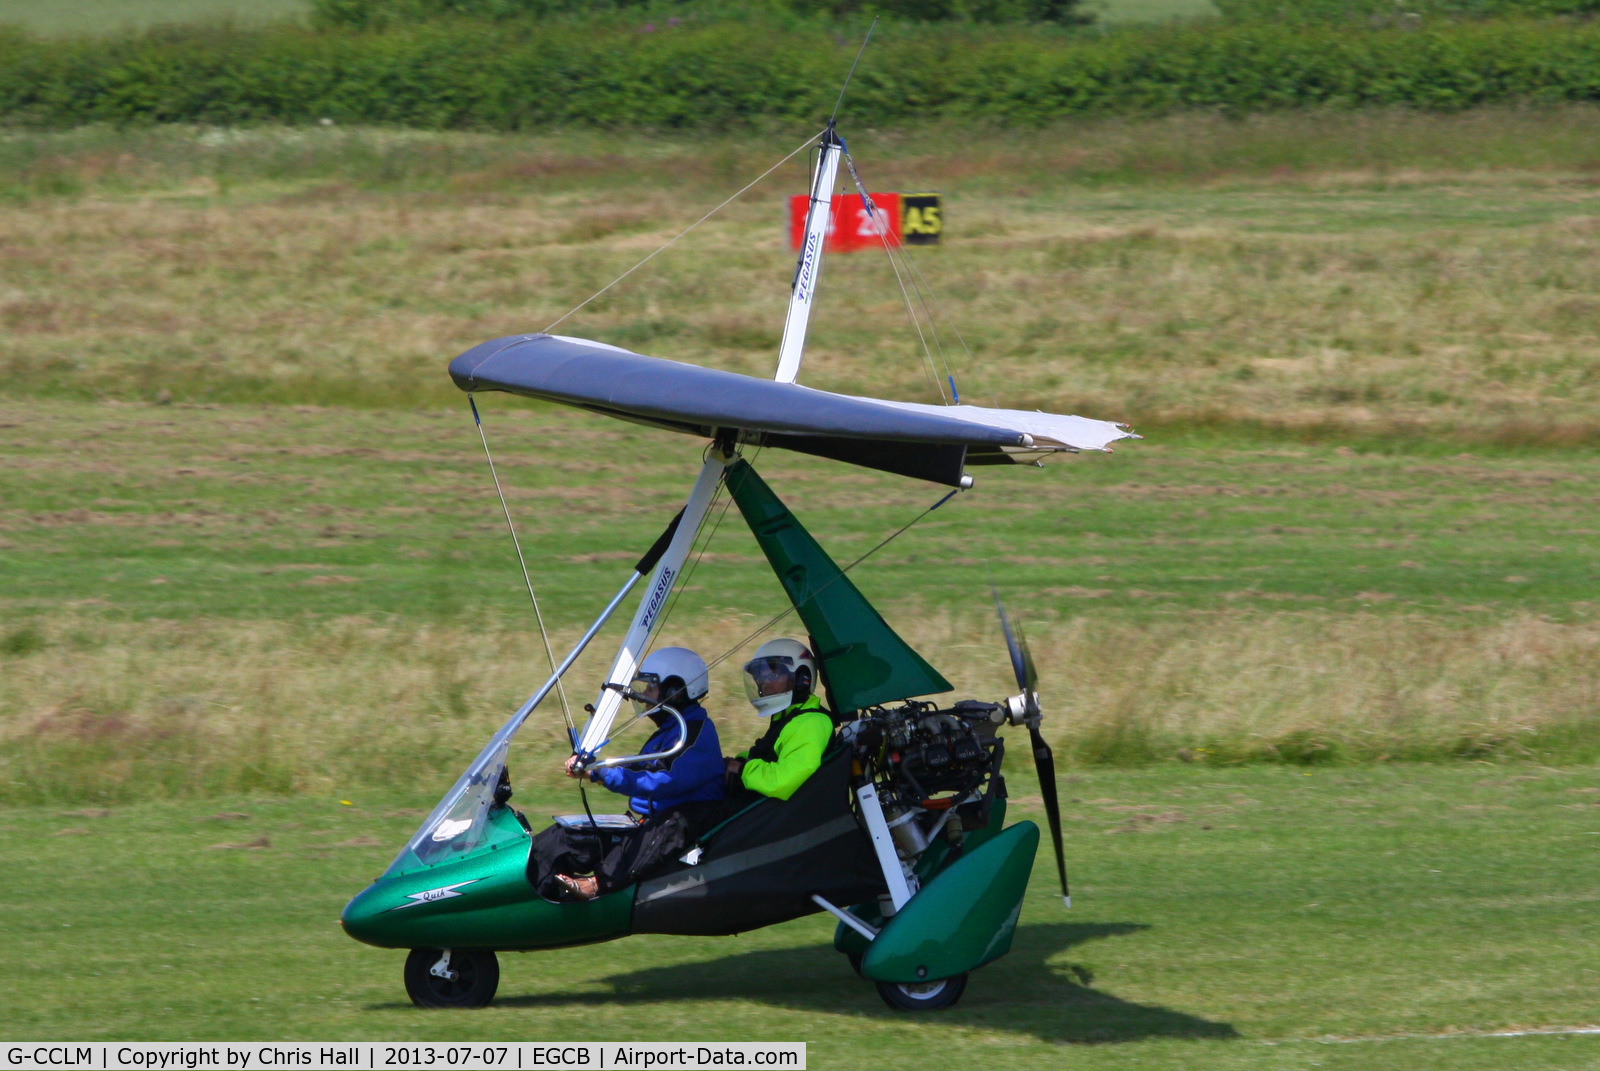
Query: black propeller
[(1024, 709)]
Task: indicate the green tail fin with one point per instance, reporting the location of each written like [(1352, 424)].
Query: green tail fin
[(863, 660)]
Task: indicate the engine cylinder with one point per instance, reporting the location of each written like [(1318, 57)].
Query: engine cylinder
[(909, 839)]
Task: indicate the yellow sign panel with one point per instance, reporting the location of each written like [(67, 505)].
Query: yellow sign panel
[(921, 218)]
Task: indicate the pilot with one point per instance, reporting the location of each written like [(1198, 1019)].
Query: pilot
[(779, 682), (676, 799)]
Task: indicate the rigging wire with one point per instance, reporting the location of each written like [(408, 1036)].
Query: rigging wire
[(933, 323), (780, 615), (925, 295), (699, 554), (852, 73), (883, 236), (919, 285), (663, 248), (694, 564), (566, 711), (972, 362)]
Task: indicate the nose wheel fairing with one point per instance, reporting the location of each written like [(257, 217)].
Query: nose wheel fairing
[(965, 917)]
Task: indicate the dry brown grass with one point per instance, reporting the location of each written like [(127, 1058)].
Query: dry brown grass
[(1353, 289), (1153, 272), (106, 711)]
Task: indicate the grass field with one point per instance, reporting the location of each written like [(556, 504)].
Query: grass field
[(1390, 275), (1368, 388), (250, 561), (1126, 11), (64, 17), (226, 598), (1257, 917)]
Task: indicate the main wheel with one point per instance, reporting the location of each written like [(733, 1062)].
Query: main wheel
[(477, 976), (923, 996)]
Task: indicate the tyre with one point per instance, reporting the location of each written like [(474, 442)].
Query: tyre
[(477, 976), (923, 996)]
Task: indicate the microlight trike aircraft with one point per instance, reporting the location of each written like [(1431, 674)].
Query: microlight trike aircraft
[(901, 833)]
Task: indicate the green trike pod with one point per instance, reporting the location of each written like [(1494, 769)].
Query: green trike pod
[(481, 900), (962, 918)]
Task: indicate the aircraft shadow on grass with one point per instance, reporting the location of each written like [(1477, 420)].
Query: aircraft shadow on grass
[(1020, 992)]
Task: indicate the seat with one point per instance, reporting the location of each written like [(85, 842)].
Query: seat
[(762, 865)]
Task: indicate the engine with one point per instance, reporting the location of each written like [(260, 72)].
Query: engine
[(936, 770)]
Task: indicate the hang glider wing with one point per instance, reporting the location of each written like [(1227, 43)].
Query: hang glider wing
[(927, 441), (1050, 432)]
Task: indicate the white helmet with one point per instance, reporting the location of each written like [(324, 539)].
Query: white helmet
[(782, 673), (665, 663)]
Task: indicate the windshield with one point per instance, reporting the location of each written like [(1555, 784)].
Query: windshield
[(459, 823)]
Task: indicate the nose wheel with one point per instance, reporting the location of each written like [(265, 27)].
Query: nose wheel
[(923, 996), (451, 978)]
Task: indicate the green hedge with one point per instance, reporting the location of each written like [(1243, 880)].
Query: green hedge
[(471, 76), (380, 14)]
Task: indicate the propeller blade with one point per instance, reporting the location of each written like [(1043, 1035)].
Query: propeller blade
[(1021, 662), (1045, 762), (1030, 674), (1043, 759)]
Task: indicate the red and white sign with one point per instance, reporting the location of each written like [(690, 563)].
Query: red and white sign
[(911, 219)]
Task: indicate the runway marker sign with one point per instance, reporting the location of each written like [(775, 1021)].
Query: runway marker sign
[(913, 218)]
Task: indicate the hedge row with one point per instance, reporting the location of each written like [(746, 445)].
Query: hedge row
[(465, 76), (379, 14)]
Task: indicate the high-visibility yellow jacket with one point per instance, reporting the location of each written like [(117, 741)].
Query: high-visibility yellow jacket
[(803, 734)]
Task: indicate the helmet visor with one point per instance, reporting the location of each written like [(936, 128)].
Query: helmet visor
[(772, 675), (649, 686)]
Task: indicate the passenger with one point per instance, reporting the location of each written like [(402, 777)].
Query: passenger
[(779, 682), (676, 799)]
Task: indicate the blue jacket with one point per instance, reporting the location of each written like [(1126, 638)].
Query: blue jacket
[(693, 777)]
